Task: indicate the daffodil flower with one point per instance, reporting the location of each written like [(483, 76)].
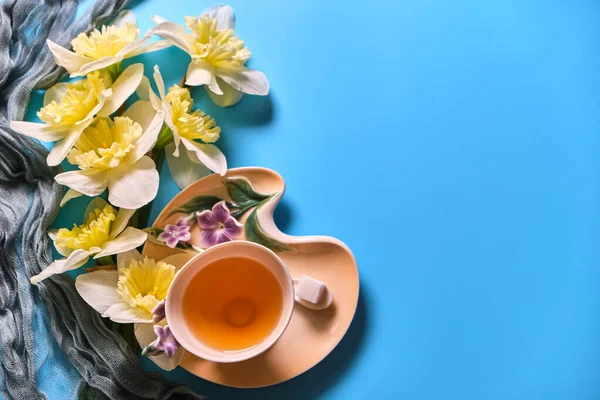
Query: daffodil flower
[(69, 108), (187, 127), (129, 294), (218, 57), (105, 47), (111, 154), (104, 233)]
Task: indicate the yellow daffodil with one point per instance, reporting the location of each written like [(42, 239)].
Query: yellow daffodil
[(69, 108), (218, 57), (188, 127), (111, 154), (105, 47), (103, 233), (130, 294)]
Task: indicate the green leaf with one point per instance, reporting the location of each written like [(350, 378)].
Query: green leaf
[(254, 233), (196, 204), (241, 192)]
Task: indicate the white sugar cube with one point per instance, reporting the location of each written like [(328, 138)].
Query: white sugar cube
[(310, 289)]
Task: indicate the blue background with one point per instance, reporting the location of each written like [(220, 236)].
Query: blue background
[(454, 147)]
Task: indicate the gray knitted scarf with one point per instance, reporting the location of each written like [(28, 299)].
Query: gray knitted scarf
[(28, 203)]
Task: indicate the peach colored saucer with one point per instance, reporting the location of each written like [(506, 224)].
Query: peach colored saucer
[(252, 195)]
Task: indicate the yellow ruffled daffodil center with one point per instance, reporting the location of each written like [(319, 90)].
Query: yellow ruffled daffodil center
[(190, 124), (93, 233), (106, 42), (219, 47), (145, 283), (76, 103), (105, 143)]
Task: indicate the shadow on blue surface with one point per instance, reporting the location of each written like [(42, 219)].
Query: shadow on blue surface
[(283, 215), (310, 385), (250, 111)]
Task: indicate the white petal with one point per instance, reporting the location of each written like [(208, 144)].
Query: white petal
[(99, 289), (133, 49), (124, 17), (183, 170), (63, 251), (71, 61), (70, 195), (43, 132), (52, 234), (120, 222), (62, 148), (90, 182), (230, 95), (143, 89), (141, 112), (151, 121), (106, 93), (125, 314), (144, 333), (122, 88), (145, 92), (149, 48), (133, 185), (75, 260), (160, 83), (95, 203), (249, 81), (124, 258), (202, 73), (208, 154), (98, 64), (55, 93), (174, 33), (128, 240), (173, 128), (224, 16), (158, 19)]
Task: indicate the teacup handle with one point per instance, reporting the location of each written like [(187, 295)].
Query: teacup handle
[(312, 293)]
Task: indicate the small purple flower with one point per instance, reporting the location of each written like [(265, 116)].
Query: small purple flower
[(218, 225), (159, 312), (165, 343), (174, 234)]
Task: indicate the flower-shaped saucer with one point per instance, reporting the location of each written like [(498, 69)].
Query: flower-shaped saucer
[(252, 195)]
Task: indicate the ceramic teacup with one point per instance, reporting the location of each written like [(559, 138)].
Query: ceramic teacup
[(236, 249)]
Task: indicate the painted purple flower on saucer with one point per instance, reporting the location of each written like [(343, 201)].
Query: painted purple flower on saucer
[(218, 225), (165, 343), (174, 234)]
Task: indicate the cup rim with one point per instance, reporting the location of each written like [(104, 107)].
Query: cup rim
[(244, 354)]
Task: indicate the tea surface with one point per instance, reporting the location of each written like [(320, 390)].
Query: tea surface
[(232, 304)]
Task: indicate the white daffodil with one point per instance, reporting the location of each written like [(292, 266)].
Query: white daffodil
[(133, 293), (105, 47), (111, 154), (129, 293), (218, 57), (69, 108), (187, 126), (104, 233)]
